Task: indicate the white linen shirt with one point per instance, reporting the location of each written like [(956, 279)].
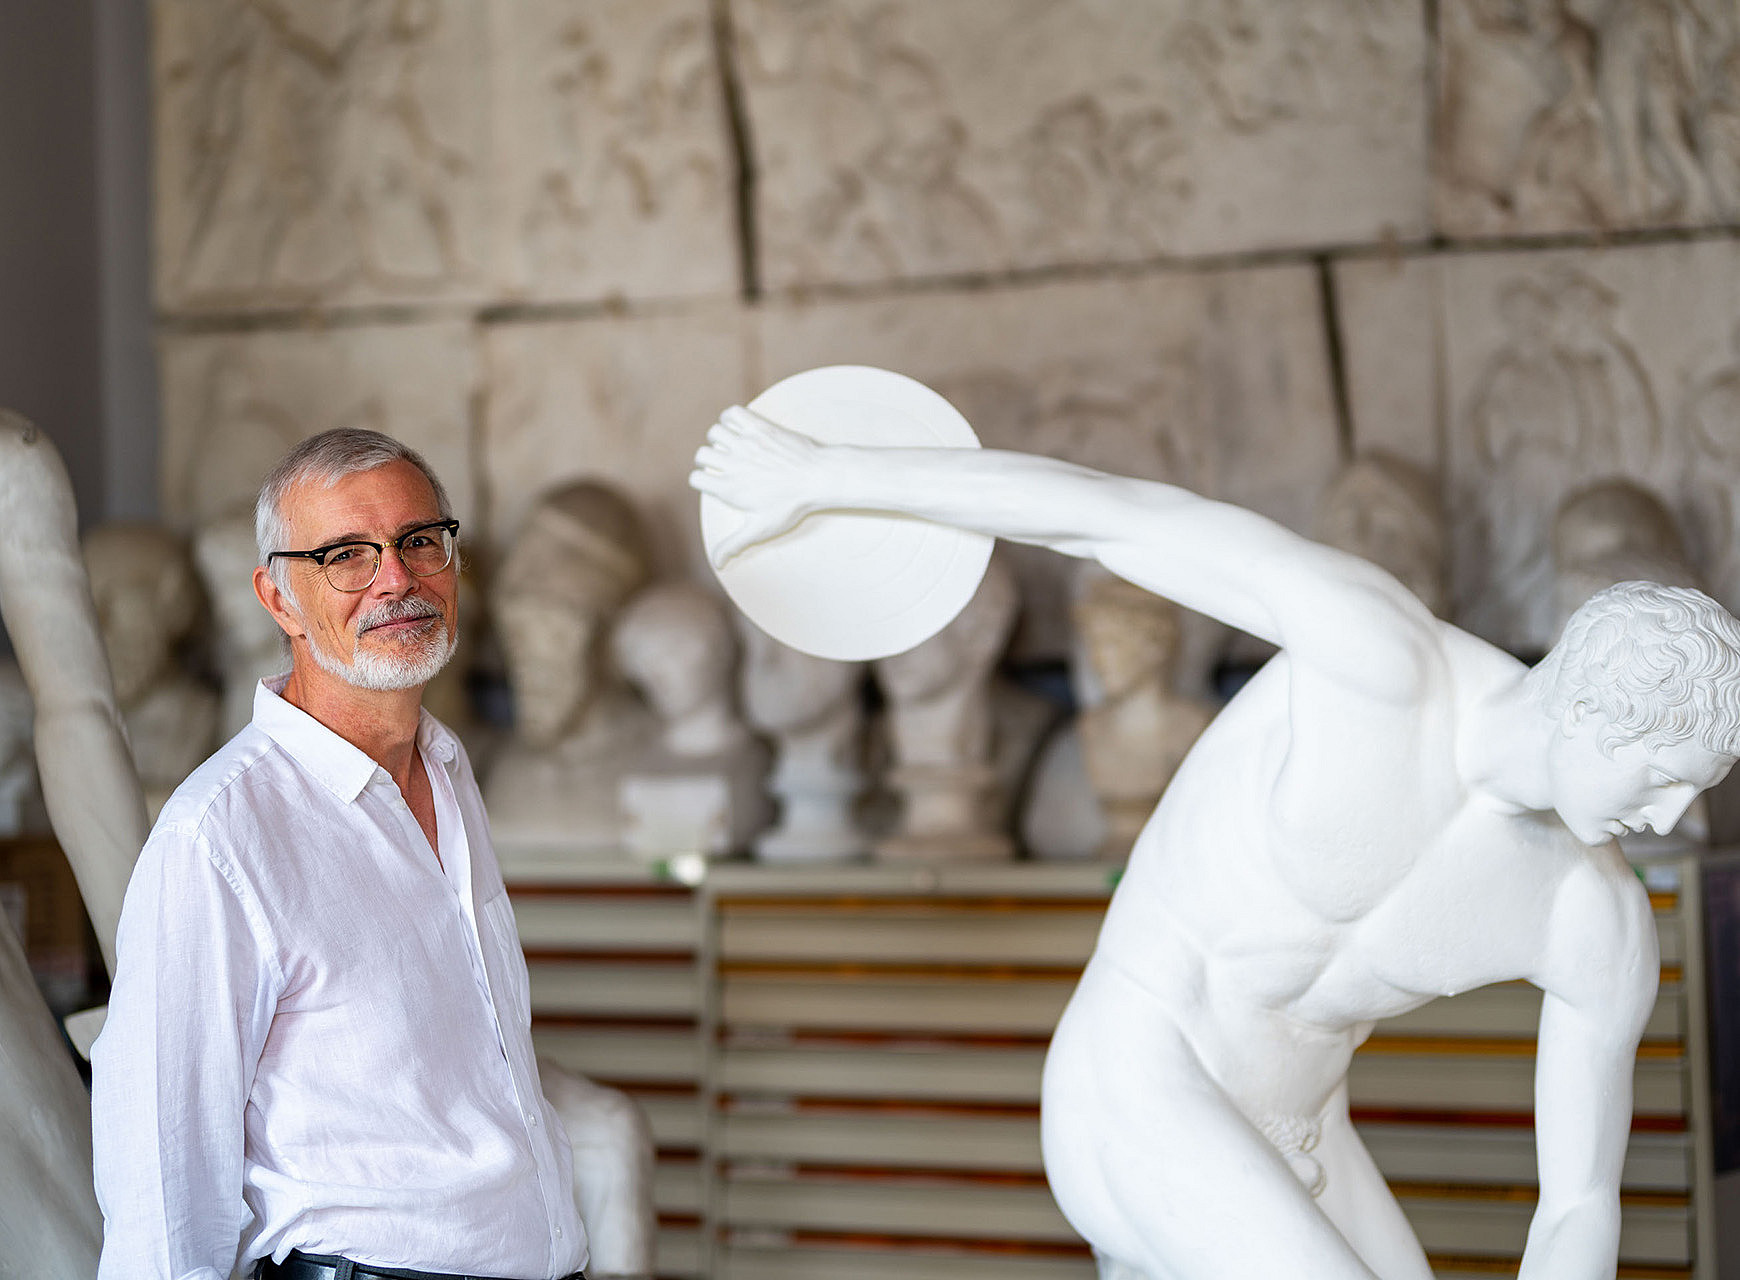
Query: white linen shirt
[(319, 1037)]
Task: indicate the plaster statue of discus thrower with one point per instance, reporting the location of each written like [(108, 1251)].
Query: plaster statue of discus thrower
[(1390, 811)]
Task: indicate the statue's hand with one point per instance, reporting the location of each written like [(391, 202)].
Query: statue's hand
[(766, 472)]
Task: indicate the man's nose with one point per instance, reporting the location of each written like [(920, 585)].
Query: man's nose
[(392, 578), (1665, 814)]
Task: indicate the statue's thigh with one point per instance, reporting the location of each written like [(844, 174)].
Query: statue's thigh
[(1158, 1168), (1362, 1206)]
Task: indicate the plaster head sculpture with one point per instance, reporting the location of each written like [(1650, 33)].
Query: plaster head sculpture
[(813, 710), (1614, 530), (1389, 511), (249, 646), (940, 716), (148, 602), (1389, 811), (675, 643), (581, 553), (1135, 727)]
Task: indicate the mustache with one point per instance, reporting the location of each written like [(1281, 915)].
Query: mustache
[(396, 611)]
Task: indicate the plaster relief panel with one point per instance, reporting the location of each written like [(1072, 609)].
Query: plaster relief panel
[(1215, 380), (1560, 369), (234, 404), (615, 171), (626, 400), (1556, 117), (312, 153), (895, 138)]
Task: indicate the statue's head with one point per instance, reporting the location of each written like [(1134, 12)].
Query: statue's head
[(1128, 636), (1387, 510), (1645, 688), (580, 554), (676, 645), (148, 600), (786, 689), (965, 650)]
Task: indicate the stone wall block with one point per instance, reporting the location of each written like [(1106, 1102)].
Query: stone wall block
[(319, 154), (1558, 117), (627, 400), (615, 174), (898, 139), (234, 403), (1217, 380), (1570, 366), (1391, 316)]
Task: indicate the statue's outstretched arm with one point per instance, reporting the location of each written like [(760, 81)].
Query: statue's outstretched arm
[(1232, 564), (88, 780)]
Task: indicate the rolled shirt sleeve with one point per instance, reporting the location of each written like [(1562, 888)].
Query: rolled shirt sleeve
[(172, 1070)]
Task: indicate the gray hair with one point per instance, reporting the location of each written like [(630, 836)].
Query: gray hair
[(327, 458), (1655, 661)]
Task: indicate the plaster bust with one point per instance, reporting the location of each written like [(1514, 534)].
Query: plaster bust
[(1135, 727), (148, 602), (701, 778), (1388, 510), (249, 645), (1614, 530), (942, 729), (580, 555), (813, 710)]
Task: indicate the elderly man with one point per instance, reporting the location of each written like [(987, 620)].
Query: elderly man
[(1391, 810), (318, 1054)]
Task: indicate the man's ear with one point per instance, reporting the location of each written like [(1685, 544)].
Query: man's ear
[(279, 603)]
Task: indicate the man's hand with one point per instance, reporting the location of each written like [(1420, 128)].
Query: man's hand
[(768, 473)]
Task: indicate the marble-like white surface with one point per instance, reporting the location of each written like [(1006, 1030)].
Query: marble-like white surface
[(1560, 117), (1218, 380), (234, 403), (624, 399), (1553, 369), (903, 139), (614, 174)]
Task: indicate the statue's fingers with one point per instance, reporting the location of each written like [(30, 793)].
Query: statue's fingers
[(733, 544), (704, 481), (744, 419), (710, 457), (722, 432)]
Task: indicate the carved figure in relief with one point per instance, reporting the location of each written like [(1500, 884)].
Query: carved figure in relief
[(1390, 811), (1707, 423), (580, 555), (1387, 510), (149, 604), (812, 710), (941, 721), (48, 1213), (1135, 727), (313, 155), (676, 644)]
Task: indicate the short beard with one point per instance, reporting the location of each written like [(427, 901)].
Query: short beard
[(389, 673)]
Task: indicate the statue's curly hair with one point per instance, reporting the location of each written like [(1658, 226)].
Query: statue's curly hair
[(1655, 661)]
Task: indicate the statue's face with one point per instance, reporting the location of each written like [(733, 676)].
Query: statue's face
[(548, 647), (138, 641), (1636, 786), (784, 688)]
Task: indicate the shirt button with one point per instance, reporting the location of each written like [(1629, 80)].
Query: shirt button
[(532, 1118), (558, 1233)]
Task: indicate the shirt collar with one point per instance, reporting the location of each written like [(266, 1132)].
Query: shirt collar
[(340, 766)]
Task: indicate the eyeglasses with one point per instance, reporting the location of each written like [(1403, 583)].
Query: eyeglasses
[(352, 566)]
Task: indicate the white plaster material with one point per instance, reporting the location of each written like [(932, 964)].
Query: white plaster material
[(310, 154), (1217, 380), (613, 1171), (1555, 370), (1389, 511), (234, 404), (619, 398), (902, 139), (942, 728), (48, 1210), (813, 711), (248, 644), (20, 796), (149, 605), (698, 787), (581, 553), (1391, 811), (614, 174), (1062, 820), (899, 581), (1134, 726), (1586, 117)]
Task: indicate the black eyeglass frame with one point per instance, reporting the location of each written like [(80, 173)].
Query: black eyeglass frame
[(319, 554)]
